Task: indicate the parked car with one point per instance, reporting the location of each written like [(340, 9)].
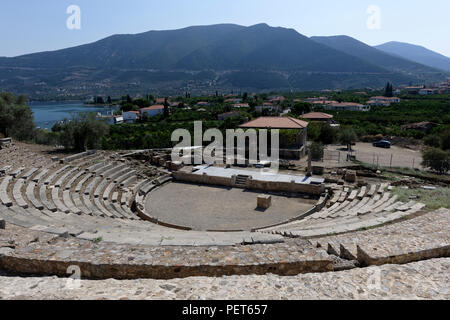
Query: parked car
[(382, 144)]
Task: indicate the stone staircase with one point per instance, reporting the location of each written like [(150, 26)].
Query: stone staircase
[(241, 181)]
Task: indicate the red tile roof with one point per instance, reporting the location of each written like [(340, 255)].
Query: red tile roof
[(276, 123), (317, 115), (337, 104), (155, 107)]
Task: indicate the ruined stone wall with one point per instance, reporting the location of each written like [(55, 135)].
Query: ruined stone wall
[(251, 184)]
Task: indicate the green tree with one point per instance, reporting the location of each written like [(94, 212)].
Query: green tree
[(347, 136), (141, 103), (445, 140), (166, 108), (16, 117), (327, 134), (83, 132), (301, 108), (432, 141), (316, 150), (436, 159), (388, 90)]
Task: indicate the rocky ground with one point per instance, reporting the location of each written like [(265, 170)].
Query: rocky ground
[(420, 280)]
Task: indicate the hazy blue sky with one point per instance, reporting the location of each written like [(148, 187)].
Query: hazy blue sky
[(37, 25)]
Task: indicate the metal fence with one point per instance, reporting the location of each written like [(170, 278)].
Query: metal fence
[(387, 159)]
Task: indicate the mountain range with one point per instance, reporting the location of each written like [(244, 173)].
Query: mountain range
[(416, 53), (203, 59)]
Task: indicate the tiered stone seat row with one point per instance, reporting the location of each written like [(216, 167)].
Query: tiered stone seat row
[(350, 210), (423, 237), (90, 198), (59, 189)]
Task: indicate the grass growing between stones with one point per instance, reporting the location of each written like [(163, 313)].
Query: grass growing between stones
[(434, 199)]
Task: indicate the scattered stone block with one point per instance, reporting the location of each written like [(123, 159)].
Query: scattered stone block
[(2, 224), (176, 165), (317, 170), (5, 141), (264, 201), (350, 176), (5, 169)]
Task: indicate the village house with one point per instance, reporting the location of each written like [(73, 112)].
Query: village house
[(413, 89), (347, 106), (118, 120), (424, 126), (318, 117), (428, 91), (152, 111), (276, 99), (160, 100), (233, 100), (130, 116), (312, 100), (288, 150), (383, 101), (203, 104), (241, 105), (268, 106), (226, 115)]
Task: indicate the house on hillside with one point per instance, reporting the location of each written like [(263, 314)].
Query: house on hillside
[(389, 99), (233, 100), (118, 120), (130, 116), (268, 106), (152, 111), (413, 89), (318, 117), (428, 91), (312, 100), (346, 106), (383, 101), (276, 99), (226, 115), (424, 126), (241, 105), (288, 149), (203, 104)]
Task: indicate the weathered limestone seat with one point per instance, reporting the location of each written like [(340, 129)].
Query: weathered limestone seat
[(350, 211), (422, 237)]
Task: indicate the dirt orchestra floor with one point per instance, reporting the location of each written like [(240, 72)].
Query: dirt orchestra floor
[(219, 208)]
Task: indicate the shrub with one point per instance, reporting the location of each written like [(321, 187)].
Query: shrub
[(83, 132), (328, 134), (436, 159), (432, 141), (316, 150), (16, 118), (347, 136), (445, 140)]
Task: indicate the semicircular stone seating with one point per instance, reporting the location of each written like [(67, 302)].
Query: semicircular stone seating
[(350, 210), (90, 196)]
